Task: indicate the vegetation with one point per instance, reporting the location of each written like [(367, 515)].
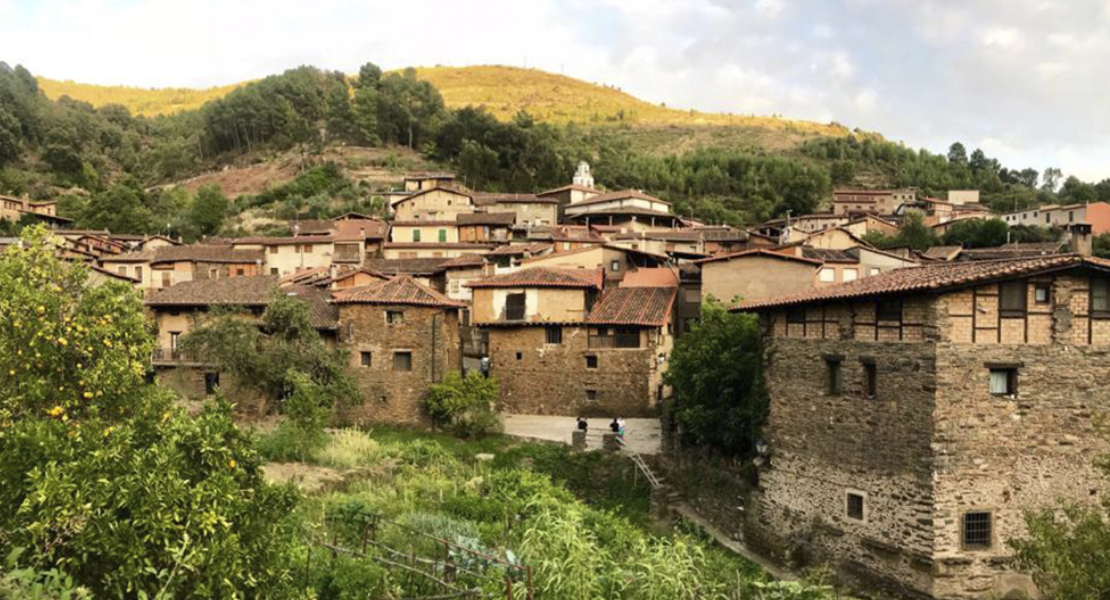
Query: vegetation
[(969, 233), (464, 405), (107, 485), (717, 376)]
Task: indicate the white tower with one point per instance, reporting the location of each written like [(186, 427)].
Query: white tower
[(582, 175)]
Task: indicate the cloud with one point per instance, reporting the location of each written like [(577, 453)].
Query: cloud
[(1025, 75)]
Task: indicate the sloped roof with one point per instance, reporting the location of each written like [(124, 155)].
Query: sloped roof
[(192, 253), (618, 195), (932, 277), (406, 266), (239, 291), (651, 277), (313, 227), (397, 291), (323, 313), (520, 249), (504, 218), (828, 255), (565, 188), (488, 198), (281, 241), (543, 277), (757, 252), (463, 262), (638, 306), (1012, 251), (943, 252)]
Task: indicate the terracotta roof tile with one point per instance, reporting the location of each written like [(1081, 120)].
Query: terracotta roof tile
[(240, 291), (1011, 251), (397, 291), (544, 277), (520, 249), (638, 306), (192, 253), (463, 262), (502, 218), (757, 252), (932, 277), (618, 195), (406, 266)]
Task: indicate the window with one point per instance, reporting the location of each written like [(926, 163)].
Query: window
[(1012, 299), (454, 287), (1003, 381), (615, 266), (211, 383), (514, 307), (122, 270), (855, 506), (366, 359), (416, 235), (591, 395), (213, 273), (520, 356), (977, 530), (827, 275), (166, 279), (402, 361), (1071, 216), (139, 273), (851, 274), (835, 376), (1041, 293), (273, 249), (308, 248), (591, 361), (273, 271), (875, 271), (870, 379), (1100, 297), (889, 309), (796, 314), (175, 336), (394, 317), (240, 271), (554, 335), (1047, 218), (442, 235)]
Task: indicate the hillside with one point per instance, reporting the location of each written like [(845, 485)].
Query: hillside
[(504, 91)]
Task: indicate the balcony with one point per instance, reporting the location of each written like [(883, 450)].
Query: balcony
[(174, 356), (620, 340)]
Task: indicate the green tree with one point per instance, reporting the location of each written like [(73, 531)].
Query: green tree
[(10, 137), (957, 154), (464, 404), (121, 209), (915, 233), (208, 210), (268, 355), (716, 372), (104, 478)]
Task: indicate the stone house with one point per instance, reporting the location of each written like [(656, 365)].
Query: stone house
[(560, 345), (755, 274), (288, 255), (177, 310), (426, 231), (14, 209), (915, 417), (163, 266), (614, 260), (879, 202), (486, 227), (433, 204), (631, 210), (402, 337), (527, 209)]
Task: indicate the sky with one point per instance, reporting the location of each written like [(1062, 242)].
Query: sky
[(1028, 81)]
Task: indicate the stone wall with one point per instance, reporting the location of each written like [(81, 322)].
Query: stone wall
[(553, 379), (431, 335), (1010, 455), (824, 446)]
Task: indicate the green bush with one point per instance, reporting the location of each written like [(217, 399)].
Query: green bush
[(464, 404), (288, 442), (348, 449)]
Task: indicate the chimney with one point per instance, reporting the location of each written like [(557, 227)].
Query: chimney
[(1079, 239)]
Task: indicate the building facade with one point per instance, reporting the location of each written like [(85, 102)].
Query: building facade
[(937, 406)]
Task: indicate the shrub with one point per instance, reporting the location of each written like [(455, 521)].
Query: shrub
[(290, 443), (464, 404), (348, 449)]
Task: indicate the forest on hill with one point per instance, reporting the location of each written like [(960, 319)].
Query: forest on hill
[(110, 168)]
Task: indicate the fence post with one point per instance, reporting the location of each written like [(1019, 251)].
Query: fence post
[(528, 579), (509, 584)]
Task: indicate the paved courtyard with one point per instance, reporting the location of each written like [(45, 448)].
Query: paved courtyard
[(642, 435)]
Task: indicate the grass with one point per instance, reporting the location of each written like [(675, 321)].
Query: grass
[(140, 101)]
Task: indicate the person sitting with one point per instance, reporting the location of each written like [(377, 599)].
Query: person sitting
[(582, 424)]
